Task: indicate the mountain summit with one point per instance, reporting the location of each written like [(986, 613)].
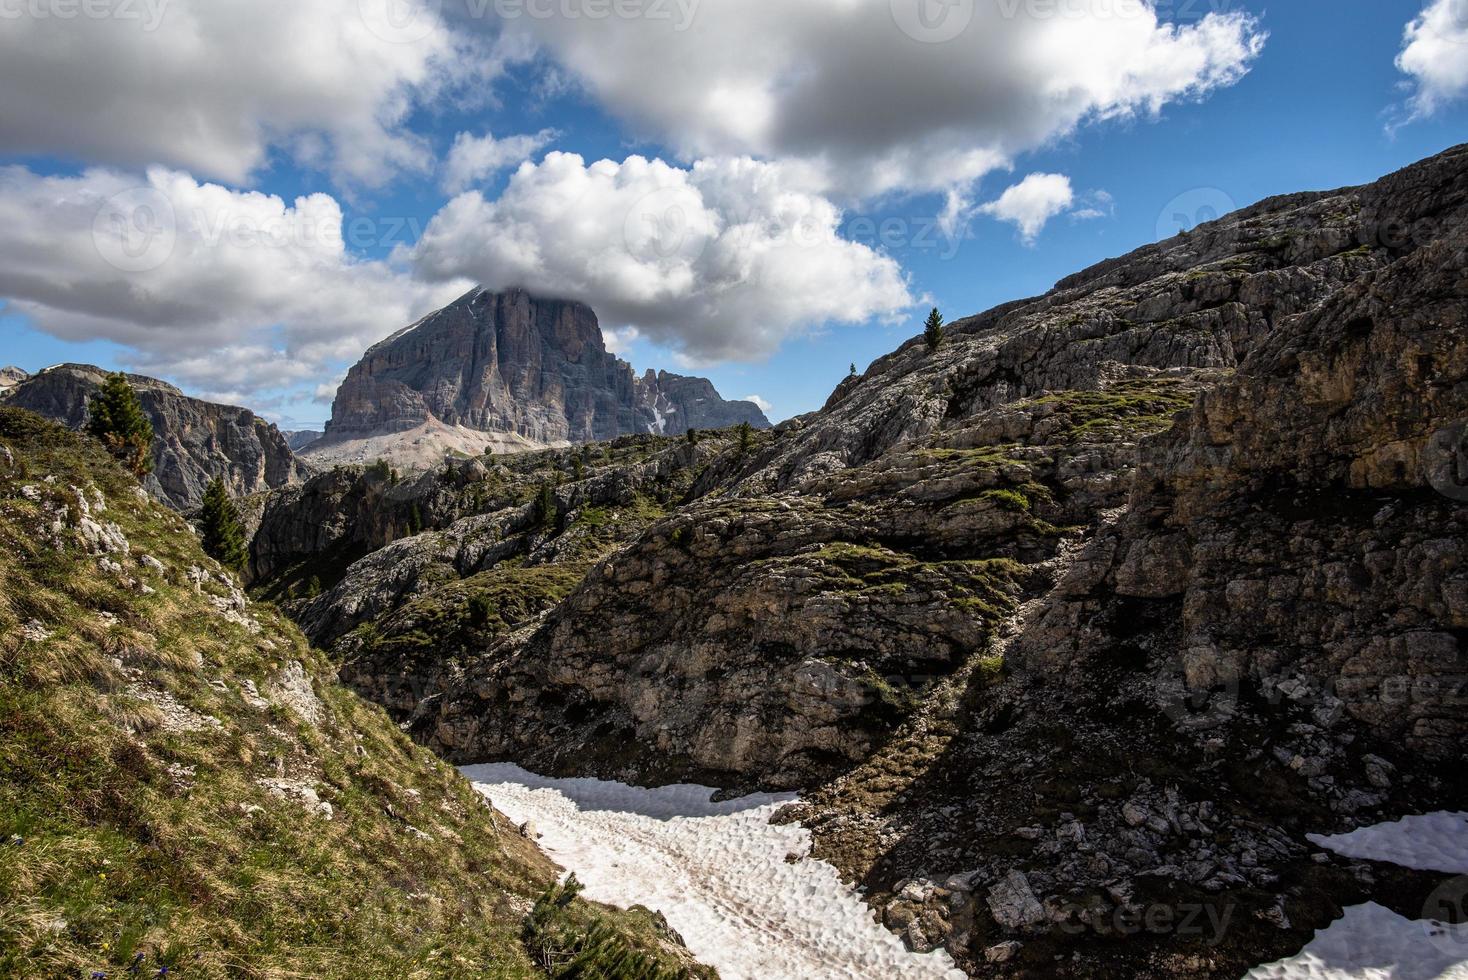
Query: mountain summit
[(507, 371)]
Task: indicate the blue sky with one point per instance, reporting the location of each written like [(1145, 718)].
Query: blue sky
[(1321, 104)]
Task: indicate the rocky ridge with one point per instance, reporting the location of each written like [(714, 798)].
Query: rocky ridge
[(1092, 612), (194, 441), (507, 371)]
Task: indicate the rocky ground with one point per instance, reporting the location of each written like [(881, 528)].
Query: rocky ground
[(1091, 613)]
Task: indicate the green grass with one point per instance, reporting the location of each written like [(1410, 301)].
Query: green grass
[(1127, 410), (122, 834)]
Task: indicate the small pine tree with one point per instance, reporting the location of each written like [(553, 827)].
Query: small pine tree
[(693, 437), (746, 436), (118, 420), (853, 369), (933, 329), (415, 519), (545, 507), (578, 469), (224, 537)]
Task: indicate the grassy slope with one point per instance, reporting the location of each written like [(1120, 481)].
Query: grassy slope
[(133, 746)]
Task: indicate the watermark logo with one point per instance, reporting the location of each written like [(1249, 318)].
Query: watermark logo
[(678, 13), (401, 21), (1184, 213), (1195, 704), (1207, 921), (933, 21), (136, 230), (1447, 461), (1445, 917), (146, 13), (666, 225), (1176, 11)]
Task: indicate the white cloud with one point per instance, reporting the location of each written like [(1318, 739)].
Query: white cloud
[(475, 158), (721, 260), (763, 403), (619, 340), (223, 290), (1096, 204), (840, 85), (1435, 53), (1031, 203), (211, 86)]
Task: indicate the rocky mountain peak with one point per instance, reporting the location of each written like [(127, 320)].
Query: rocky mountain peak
[(11, 376), (507, 370)]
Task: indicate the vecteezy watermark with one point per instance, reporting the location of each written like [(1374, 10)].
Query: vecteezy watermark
[(1204, 919), (1196, 698), (140, 229), (401, 21), (669, 224), (1447, 461), (1176, 11), (147, 13), (411, 21), (933, 21), (136, 230), (679, 13), (1184, 213), (1445, 917), (674, 224)]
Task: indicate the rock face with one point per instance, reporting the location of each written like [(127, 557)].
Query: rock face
[(1095, 611), (194, 441), (529, 372)]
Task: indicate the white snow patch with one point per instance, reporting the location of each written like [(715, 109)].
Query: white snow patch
[(1429, 842), (717, 871), (1374, 943), (1370, 942)]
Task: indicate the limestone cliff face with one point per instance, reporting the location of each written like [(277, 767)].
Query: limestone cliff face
[(194, 441), (536, 369)]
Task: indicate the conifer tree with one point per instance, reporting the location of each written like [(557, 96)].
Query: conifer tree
[(933, 329), (118, 420), (746, 436), (224, 537), (545, 507)]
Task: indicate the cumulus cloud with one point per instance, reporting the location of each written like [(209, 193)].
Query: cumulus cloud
[(475, 158), (873, 97), (721, 260), (211, 86), (1030, 204), (763, 403), (1435, 53), (227, 292)]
